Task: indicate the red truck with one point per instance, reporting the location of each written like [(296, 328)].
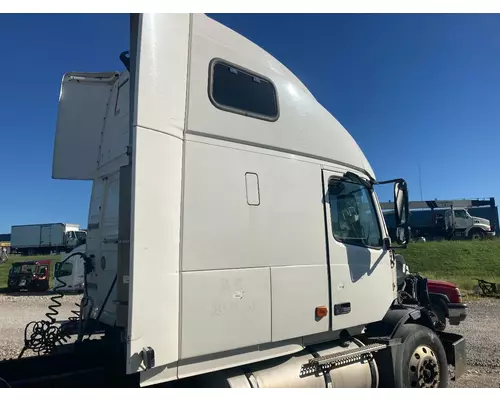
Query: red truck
[(442, 299), (446, 303), (29, 275)]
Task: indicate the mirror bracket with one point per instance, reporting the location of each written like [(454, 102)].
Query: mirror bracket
[(389, 246)]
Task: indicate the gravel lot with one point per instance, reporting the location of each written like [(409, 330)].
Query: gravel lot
[(481, 330), (18, 310)]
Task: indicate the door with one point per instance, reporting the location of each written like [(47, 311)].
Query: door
[(362, 280), (83, 105), (462, 220), (45, 236), (70, 239)]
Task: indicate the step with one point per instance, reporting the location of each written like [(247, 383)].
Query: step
[(346, 356)]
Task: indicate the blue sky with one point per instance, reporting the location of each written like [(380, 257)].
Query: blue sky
[(411, 89)]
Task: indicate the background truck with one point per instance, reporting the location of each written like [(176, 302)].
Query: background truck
[(235, 237), (450, 219), (29, 275), (446, 303), (46, 238), (69, 275)]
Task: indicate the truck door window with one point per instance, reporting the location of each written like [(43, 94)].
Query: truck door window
[(460, 214), (65, 269), (353, 214)]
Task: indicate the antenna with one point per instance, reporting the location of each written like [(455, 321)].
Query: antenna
[(420, 181)]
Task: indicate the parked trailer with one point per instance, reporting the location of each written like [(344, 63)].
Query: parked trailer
[(235, 238), (46, 238)]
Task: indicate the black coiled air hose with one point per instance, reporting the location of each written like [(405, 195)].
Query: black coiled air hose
[(104, 303), (42, 337)]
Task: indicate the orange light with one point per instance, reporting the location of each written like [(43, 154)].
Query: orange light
[(321, 311)]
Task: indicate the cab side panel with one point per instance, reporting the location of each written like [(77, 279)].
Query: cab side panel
[(253, 264)]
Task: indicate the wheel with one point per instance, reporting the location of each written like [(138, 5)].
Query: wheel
[(476, 234), (420, 359), (438, 315)]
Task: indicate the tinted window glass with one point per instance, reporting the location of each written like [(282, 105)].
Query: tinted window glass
[(460, 214), (64, 270), (233, 89), (354, 218)]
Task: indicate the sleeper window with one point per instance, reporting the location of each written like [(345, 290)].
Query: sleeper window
[(236, 90)]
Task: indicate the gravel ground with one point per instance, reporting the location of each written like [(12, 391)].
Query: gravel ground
[(18, 310), (481, 330)]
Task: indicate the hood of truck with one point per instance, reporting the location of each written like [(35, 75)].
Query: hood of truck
[(481, 221), (441, 284)]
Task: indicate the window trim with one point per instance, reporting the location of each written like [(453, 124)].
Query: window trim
[(376, 213), (234, 110), (117, 110)]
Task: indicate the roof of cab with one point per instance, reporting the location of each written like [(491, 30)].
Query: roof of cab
[(304, 126)]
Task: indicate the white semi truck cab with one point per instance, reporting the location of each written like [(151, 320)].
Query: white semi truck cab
[(234, 232), (69, 275)]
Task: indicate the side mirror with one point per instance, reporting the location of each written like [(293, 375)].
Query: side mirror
[(401, 212)]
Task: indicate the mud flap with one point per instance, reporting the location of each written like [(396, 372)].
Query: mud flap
[(454, 346)]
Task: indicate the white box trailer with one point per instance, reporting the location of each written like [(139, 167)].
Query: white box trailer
[(45, 238)]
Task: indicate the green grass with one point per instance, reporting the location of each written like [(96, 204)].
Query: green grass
[(454, 261), (5, 267), (459, 262)]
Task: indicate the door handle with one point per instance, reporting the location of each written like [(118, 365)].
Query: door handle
[(342, 308)]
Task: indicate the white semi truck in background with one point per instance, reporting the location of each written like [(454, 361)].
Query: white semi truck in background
[(46, 238), (69, 275), (234, 235)]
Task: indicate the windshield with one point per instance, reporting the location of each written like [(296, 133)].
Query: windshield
[(25, 268), (81, 235), (63, 270)]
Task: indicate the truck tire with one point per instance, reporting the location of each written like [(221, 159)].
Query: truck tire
[(43, 287), (420, 360), (476, 234)]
